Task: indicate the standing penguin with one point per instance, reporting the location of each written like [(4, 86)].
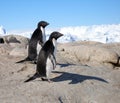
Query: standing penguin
[(46, 60), (37, 40)]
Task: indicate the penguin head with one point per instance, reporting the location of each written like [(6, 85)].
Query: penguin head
[(42, 24), (55, 35)]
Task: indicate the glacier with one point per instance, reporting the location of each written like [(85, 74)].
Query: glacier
[(100, 33)]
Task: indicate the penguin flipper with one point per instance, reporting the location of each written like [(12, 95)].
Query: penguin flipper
[(53, 60), (36, 75), (26, 59)]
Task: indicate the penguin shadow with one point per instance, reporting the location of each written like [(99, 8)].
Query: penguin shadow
[(75, 78), (64, 65)]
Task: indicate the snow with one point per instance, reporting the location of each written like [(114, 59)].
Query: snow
[(2, 31), (100, 33)]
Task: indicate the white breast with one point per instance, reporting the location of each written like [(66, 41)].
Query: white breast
[(55, 45), (43, 34), (38, 49), (49, 67)]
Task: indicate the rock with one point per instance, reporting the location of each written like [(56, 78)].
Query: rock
[(2, 50), (16, 40), (18, 52), (1, 40), (5, 49), (73, 82), (82, 53), (12, 39)]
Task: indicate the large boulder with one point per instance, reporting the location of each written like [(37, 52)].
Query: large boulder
[(14, 45), (88, 52), (5, 49), (16, 40)]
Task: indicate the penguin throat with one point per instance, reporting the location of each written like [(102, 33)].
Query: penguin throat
[(54, 42), (43, 34), (55, 45)]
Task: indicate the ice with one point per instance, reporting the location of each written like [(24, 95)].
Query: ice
[(101, 33)]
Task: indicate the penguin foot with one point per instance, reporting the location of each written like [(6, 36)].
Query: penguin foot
[(35, 61), (43, 79)]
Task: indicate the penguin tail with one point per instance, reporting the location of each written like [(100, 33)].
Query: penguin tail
[(26, 59), (36, 75)]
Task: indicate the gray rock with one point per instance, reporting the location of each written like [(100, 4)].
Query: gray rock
[(82, 53), (16, 40), (73, 82), (18, 52)]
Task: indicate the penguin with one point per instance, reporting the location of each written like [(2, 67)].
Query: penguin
[(37, 40), (46, 60)]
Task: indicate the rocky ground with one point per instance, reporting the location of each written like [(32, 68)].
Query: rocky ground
[(86, 73)]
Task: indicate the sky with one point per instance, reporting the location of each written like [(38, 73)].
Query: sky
[(25, 14)]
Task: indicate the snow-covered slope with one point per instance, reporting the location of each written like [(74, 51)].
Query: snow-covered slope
[(100, 33), (2, 31)]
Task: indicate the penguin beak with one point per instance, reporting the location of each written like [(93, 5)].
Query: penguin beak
[(60, 34), (47, 23)]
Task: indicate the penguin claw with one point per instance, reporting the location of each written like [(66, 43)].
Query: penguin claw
[(50, 81)]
